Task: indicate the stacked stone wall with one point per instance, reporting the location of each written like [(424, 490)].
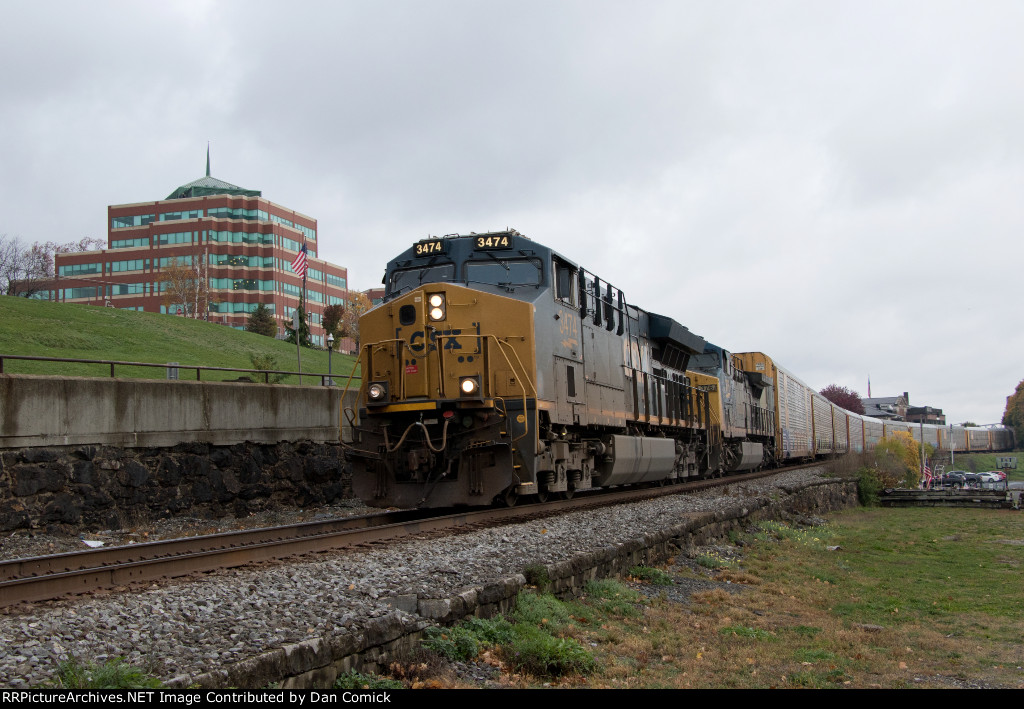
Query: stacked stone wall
[(91, 488)]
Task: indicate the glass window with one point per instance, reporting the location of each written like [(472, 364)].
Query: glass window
[(504, 273), (136, 220), (133, 265), (180, 237), (80, 269), (414, 277), (129, 243), (231, 213), (240, 284), (171, 216)]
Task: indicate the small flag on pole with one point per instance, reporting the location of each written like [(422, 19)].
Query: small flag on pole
[(299, 262)]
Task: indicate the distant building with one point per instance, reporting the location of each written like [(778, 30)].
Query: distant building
[(892, 408), (898, 408), (925, 414), (242, 243)]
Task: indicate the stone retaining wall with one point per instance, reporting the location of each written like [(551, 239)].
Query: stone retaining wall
[(316, 663), (102, 487)]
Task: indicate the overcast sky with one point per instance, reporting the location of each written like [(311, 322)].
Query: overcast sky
[(837, 184)]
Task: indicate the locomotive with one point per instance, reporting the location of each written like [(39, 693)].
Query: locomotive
[(495, 368)]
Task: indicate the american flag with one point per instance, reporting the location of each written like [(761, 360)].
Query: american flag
[(299, 262)]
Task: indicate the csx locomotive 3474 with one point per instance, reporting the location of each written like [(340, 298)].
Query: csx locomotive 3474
[(496, 368)]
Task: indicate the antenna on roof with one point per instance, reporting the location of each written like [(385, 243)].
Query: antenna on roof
[(207, 158)]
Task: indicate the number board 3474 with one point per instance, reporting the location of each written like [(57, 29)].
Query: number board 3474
[(429, 247), (494, 241)]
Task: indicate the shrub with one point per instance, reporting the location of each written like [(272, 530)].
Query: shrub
[(455, 643), (538, 653), (540, 610), (537, 575), (869, 484), (266, 363)]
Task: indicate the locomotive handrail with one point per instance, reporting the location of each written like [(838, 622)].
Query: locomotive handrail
[(324, 378)]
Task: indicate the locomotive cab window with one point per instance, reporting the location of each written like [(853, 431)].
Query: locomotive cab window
[(501, 272), (415, 277), (565, 282)]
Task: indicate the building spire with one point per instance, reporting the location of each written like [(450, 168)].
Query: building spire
[(207, 158)]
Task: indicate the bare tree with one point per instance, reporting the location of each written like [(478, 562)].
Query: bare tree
[(26, 269), (186, 285)]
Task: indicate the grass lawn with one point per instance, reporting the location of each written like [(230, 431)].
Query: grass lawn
[(29, 327), (877, 598)]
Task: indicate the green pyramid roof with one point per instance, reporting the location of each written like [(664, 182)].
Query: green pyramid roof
[(210, 185)]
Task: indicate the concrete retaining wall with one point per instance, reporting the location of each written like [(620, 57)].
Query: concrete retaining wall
[(316, 663), (64, 411)]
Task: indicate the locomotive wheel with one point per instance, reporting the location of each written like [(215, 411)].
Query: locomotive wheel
[(543, 495), (567, 495), (509, 498)]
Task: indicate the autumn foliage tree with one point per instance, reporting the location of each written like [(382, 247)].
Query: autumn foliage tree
[(846, 398), (358, 304), (332, 319), (1014, 414)]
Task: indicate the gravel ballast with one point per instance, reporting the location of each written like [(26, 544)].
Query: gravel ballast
[(197, 626)]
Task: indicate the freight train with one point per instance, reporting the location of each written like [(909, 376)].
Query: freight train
[(497, 369)]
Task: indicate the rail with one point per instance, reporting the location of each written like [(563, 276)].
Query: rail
[(326, 379)]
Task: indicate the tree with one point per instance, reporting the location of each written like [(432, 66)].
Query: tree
[(358, 304), (332, 319), (1014, 414), (846, 398), (899, 456), (186, 285), (261, 321), (27, 269), (303, 327)]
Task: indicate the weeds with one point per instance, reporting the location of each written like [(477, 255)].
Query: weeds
[(357, 680), (655, 577), (712, 560), (744, 631), (115, 673)]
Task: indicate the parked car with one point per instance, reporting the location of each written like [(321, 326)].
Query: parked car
[(953, 479)]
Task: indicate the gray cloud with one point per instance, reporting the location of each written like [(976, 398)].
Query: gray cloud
[(833, 183)]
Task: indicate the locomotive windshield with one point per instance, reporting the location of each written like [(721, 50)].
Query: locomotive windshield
[(504, 273), (410, 278)]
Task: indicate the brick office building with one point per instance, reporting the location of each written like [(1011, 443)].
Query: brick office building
[(242, 243)]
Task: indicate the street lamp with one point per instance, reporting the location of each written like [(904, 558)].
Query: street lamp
[(330, 349)]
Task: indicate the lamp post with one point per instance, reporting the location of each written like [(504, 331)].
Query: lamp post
[(330, 349)]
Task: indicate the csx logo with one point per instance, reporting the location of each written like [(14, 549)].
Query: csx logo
[(418, 341)]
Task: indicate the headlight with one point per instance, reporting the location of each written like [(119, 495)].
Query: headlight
[(469, 386), (435, 303), (377, 391)]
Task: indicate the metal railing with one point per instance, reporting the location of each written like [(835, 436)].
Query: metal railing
[(325, 378)]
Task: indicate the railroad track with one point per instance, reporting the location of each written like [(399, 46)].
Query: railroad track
[(55, 576)]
